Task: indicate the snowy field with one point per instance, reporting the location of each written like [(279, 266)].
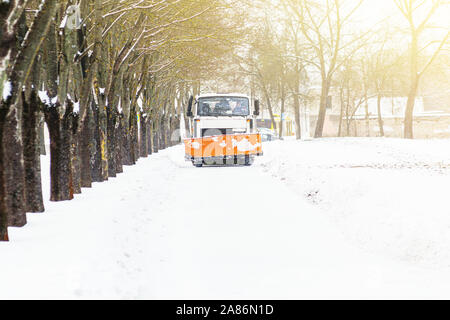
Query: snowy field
[(331, 218), (389, 196)]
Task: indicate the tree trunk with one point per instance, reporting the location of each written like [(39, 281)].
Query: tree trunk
[(75, 153), (86, 147), (60, 131), (96, 156), (347, 110), (31, 154), (135, 136), (127, 158), (13, 165), (161, 133), (414, 86), (341, 114), (155, 137), (149, 136), (282, 112), (298, 128), (347, 120), (14, 172), (3, 208), (380, 117), (42, 135), (111, 117), (165, 132), (175, 138), (298, 70), (409, 112), (322, 109), (367, 116), (143, 137), (103, 137), (119, 143), (269, 106), (134, 143)]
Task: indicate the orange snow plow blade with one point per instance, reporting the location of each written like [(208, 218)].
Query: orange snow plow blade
[(223, 146)]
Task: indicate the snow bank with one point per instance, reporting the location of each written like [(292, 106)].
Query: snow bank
[(389, 196)]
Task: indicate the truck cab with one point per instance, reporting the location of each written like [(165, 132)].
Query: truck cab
[(222, 129), (221, 114)]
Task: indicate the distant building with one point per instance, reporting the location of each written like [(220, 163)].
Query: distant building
[(437, 102), (390, 106)]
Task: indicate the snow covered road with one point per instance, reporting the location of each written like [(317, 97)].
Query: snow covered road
[(165, 229)]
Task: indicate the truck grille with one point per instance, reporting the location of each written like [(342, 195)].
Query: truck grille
[(215, 132)]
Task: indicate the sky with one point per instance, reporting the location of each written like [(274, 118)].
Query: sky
[(372, 10)]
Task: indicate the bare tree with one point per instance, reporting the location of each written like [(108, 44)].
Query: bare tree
[(323, 24), (409, 10)]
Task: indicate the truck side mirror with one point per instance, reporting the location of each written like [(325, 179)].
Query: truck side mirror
[(256, 112), (189, 109)]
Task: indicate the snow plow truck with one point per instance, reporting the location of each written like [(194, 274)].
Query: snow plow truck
[(222, 130)]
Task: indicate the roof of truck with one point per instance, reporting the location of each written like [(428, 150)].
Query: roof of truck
[(211, 95)]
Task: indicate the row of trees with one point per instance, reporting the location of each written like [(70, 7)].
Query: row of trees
[(91, 69), (300, 44)]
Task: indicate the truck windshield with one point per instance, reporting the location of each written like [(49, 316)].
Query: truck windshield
[(223, 106)]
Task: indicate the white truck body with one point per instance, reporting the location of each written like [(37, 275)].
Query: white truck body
[(222, 129)]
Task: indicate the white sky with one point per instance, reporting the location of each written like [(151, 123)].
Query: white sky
[(373, 10)]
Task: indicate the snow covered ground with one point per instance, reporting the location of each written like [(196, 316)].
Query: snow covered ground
[(389, 196), (331, 218)]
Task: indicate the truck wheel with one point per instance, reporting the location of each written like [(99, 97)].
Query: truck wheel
[(248, 160), (198, 165)]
